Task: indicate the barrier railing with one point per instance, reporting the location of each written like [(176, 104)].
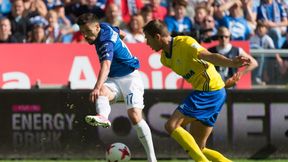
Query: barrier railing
[(271, 73)]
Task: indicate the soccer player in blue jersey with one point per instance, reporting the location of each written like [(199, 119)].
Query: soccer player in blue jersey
[(185, 56), (118, 79)]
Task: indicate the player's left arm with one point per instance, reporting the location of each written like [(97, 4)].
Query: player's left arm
[(220, 60), (232, 81)]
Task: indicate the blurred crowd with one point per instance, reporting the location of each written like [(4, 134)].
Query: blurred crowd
[(261, 22)]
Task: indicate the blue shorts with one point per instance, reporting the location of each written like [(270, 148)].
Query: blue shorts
[(203, 106)]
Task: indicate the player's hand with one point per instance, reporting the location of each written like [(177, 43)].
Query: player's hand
[(240, 61), (233, 80), (94, 95)]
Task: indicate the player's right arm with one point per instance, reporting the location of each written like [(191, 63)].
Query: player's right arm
[(220, 60), (105, 53), (253, 63), (102, 76)]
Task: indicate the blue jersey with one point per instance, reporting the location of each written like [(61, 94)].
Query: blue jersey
[(238, 27), (109, 46), (174, 25), (274, 12)]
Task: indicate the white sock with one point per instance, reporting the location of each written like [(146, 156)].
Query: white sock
[(144, 135), (102, 106)]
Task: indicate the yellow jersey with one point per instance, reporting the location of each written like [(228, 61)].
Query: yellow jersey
[(183, 60)]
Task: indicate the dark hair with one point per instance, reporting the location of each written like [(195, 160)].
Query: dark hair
[(147, 8), (86, 18), (156, 27), (2, 18), (260, 24), (180, 3)]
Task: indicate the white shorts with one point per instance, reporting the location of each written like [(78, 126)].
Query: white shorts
[(129, 88)]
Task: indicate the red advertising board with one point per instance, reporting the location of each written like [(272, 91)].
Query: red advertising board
[(22, 65)]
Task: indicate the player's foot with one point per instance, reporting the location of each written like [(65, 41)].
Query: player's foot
[(98, 120)]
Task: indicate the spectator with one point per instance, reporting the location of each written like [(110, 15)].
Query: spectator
[(147, 13), (113, 16), (200, 14), (236, 23), (78, 38), (50, 4), (91, 6), (284, 4), (261, 41), (250, 13), (38, 20), (35, 8), (5, 7), (228, 50), (283, 69), (208, 4), (101, 4), (53, 30), (179, 23), (74, 8), (135, 34), (274, 17), (285, 44), (37, 34), (127, 8), (65, 24), (19, 22), (221, 7), (60, 10), (168, 5), (5, 31), (209, 31), (158, 11)]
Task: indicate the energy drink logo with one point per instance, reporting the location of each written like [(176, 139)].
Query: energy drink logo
[(32, 127)]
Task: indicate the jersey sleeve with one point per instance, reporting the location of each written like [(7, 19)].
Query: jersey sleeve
[(116, 29), (105, 51), (196, 48)]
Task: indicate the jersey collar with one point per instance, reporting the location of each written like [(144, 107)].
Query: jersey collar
[(169, 55)]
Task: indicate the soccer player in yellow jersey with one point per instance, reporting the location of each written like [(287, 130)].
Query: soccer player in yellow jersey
[(185, 56)]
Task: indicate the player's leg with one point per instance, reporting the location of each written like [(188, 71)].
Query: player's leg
[(143, 132), (183, 137), (215, 155), (201, 133), (132, 89), (108, 92), (208, 109)]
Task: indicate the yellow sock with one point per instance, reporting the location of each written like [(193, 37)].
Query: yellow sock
[(214, 155), (187, 141)]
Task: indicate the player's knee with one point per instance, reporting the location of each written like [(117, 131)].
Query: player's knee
[(134, 115), (104, 91), (169, 127), (201, 147), (201, 144)]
